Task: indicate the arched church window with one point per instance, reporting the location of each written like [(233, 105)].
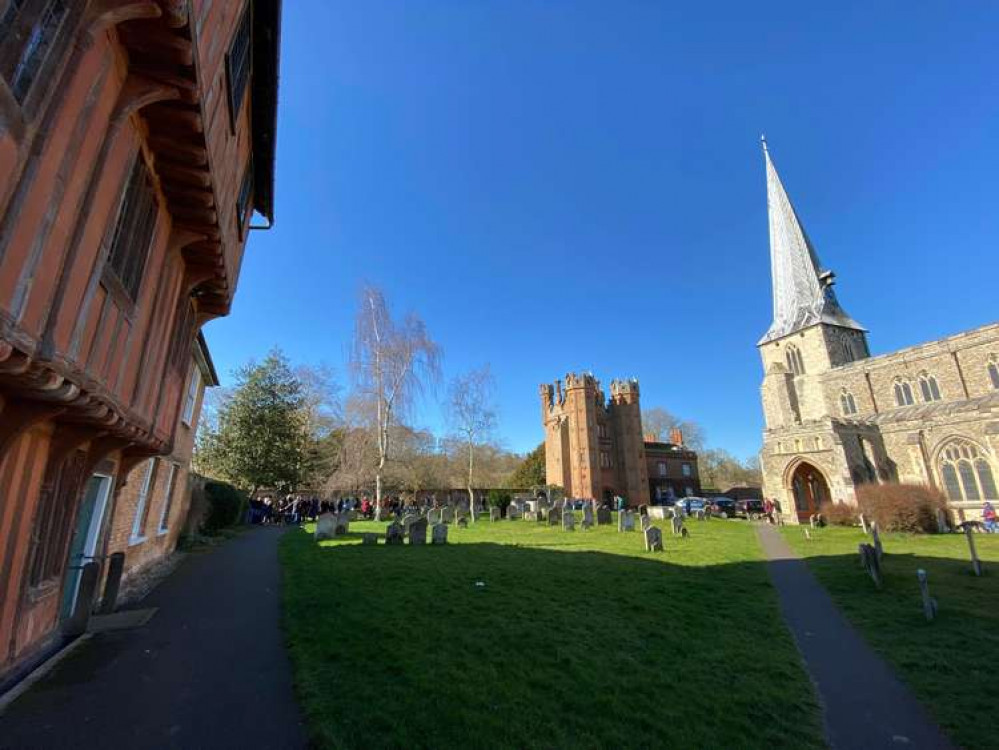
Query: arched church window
[(847, 403), (903, 393), (929, 388), (966, 473), (994, 371)]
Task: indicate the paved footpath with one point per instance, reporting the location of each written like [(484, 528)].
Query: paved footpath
[(865, 706), (208, 671)]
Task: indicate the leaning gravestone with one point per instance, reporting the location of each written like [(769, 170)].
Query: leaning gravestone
[(871, 563), (418, 531), (677, 525), (568, 521), (369, 538), (863, 524), (646, 523), (439, 534), (326, 527), (603, 516), (876, 536), (653, 539), (394, 533), (494, 514), (976, 564), (942, 526), (929, 603), (343, 522), (626, 520)]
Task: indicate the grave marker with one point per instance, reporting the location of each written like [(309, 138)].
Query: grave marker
[(568, 521), (653, 539), (326, 527), (494, 514), (418, 531), (439, 535), (863, 524), (394, 533), (626, 520), (929, 603), (976, 564), (587, 515), (876, 536), (604, 517), (369, 537), (872, 564)]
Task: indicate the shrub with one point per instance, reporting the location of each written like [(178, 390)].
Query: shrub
[(901, 507), (498, 499), (840, 514), (226, 507)]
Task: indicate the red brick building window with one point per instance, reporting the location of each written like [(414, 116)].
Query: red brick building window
[(142, 506), (28, 31), (168, 499), (237, 65), (133, 232)]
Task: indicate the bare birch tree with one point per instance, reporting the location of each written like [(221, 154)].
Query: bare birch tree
[(472, 415), (392, 363)]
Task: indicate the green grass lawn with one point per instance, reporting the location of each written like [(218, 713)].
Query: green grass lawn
[(951, 662), (576, 639)]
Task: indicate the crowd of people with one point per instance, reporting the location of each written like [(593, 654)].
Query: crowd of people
[(293, 509)]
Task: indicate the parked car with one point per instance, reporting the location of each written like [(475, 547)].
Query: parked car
[(691, 505), (750, 509), (723, 507)]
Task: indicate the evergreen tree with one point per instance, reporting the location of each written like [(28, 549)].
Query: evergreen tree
[(531, 473), (259, 438)]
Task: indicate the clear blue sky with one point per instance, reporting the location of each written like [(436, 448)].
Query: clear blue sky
[(561, 186)]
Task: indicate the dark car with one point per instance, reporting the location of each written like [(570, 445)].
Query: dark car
[(749, 509), (723, 507)]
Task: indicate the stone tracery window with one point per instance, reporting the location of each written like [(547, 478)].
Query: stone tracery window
[(994, 371), (928, 387), (795, 363), (966, 473), (903, 393), (847, 403)]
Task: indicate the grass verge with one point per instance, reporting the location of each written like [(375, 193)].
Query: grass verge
[(950, 662), (575, 639)]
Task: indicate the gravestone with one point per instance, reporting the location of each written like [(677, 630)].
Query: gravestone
[(568, 521), (863, 524), (942, 526), (653, 539), (876, 536), (869, 560), (514, 513), (463, 522), (418, 531), (343, 522), (530, 515), (326, 527), (494, 514), (657, 511), (434, 516), (643, 510), (929, 603), (626, 520), (553, 517), (369, 537), (587, 515), (677, 525), (646, 522), (808, 535), (447, 514), (976, 564), (439, 533), (394, 533), (408, 520), (699, 515), (604, 517)]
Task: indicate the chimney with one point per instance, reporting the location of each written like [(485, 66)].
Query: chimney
[(676, 436)]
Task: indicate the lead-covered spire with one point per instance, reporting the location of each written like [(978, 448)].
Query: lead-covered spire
[(803, 293)]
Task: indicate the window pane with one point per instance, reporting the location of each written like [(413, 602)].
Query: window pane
[(994, 374), (986, 480), (951, 483), (934, 389), (968, 481), (924, 386)]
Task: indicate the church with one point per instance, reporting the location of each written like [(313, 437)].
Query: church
[(836, 417)]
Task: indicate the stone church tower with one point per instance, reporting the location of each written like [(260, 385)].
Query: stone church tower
[(837, 418)]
